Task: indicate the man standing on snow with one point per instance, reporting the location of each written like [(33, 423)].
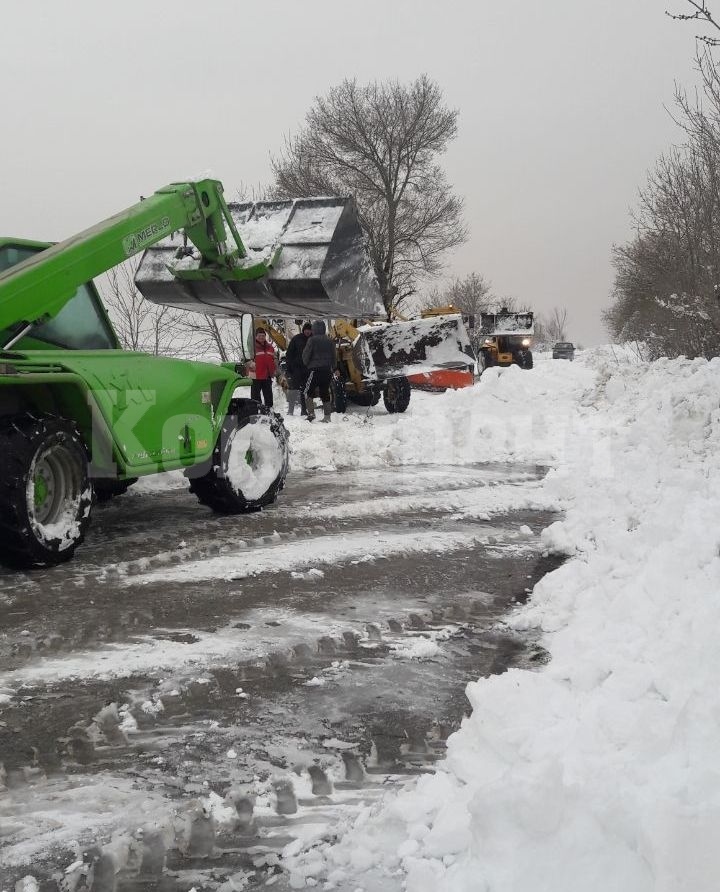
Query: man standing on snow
[(296, 369), (320, 358), (262, 369)]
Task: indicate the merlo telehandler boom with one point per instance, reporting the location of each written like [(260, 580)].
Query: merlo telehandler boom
[(38, 288), (80, 418)]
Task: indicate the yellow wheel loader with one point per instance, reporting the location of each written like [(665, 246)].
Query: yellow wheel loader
[(381, 360), (388, 358), (505, 339)]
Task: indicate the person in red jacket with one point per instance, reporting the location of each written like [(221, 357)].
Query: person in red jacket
[(262, 369)]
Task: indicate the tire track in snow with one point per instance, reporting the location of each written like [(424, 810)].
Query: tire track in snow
[(158, 653), (478, 502), (475, 503), (303, 554), (303, 558), (160, 528), (39, 824)]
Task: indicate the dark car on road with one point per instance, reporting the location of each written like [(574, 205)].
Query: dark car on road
[(564, 350)]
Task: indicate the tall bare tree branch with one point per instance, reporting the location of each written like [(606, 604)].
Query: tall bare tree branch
[(139, 324), (149, 328), (380, 142), (702, 14)]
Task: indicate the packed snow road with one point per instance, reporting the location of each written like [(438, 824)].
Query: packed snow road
[(224, 705), (192, 693)]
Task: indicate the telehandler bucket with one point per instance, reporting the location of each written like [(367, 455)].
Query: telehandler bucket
[(418, 345), (315, 264)]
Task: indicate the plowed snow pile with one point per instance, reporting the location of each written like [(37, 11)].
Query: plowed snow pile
[(511, 416), (599, 772)]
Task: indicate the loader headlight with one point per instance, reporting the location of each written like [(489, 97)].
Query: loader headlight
[(526, 342)]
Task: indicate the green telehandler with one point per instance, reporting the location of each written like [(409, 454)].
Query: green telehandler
[(82, 419)]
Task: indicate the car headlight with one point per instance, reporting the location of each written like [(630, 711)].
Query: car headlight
[(526, 342)]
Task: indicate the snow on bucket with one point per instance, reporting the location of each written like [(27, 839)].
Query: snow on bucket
[(419, 345), (321, 270)]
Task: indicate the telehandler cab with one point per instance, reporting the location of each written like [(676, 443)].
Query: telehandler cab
[(81, 417)]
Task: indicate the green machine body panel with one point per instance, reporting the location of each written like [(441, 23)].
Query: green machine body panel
[(139, 414)]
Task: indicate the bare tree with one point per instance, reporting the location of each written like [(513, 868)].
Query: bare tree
[(541, 337), (150, 328), (214, 336), (668, 276), (139, 324), (512, 305), (554, 326), (254, 192), (380, 142), (471, 294)]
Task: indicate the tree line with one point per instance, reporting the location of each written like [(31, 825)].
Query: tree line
[(667, 276)]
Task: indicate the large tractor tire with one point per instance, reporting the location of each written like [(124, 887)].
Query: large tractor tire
[(396, 395), (369, 397), (107, 488), (339, 396), (249, 464), (524, 359), (46, 496)]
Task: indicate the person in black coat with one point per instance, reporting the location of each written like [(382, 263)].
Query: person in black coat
[(296, 369), (320, 357)]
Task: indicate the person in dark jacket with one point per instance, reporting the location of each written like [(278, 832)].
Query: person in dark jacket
[(320, 358), (262, 369), (296, 369)]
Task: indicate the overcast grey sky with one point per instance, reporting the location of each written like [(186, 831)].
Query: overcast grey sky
[(561, 113)]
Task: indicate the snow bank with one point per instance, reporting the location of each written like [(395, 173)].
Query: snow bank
[(509, 416), (597, 773)]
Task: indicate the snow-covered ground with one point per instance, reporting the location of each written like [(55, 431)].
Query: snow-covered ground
[(598, 772)]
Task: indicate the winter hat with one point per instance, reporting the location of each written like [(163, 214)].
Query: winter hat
[(318, 327)]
